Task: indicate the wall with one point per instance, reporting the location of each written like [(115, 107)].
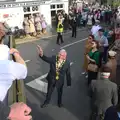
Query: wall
[(13, 16), (66, 6), (45, 10), (64, 2)]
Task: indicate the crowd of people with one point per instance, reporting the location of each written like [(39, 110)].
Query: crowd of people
[(34, 25), (88, 16), (100, 66)]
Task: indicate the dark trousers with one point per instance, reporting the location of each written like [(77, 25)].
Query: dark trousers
[(84, 23), (59, 37), (103, 56), (50, 90), (74, 31), (92, 76)]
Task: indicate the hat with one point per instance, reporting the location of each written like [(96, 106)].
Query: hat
[(112, 53)]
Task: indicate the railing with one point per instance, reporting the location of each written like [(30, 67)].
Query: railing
[(17, 90)]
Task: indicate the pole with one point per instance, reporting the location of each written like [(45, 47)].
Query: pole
[(17, 90)]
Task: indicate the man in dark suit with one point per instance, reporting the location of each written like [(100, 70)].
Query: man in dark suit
[(74, 27), (59, 66), (105, 93)]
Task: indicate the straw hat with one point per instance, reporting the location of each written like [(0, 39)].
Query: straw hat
[(112, 53)]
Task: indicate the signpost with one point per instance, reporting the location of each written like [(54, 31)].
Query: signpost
[(17, 91)]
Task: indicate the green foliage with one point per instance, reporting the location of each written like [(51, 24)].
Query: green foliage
[(116, 3)]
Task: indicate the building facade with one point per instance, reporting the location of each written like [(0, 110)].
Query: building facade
[(14, 12)]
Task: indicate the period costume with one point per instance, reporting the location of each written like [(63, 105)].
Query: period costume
[(112, 64), (88, 47), (104, 95), (32, 26), (38, 24), (56, 76), (26, 26), (90, 20)]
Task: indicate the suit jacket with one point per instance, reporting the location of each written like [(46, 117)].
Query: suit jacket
[(105, 94), (51, 77), (4, 111)]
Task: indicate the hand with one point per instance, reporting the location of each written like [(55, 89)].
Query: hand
[(88, 57), (12, 50), (19, 111), (40, 51)]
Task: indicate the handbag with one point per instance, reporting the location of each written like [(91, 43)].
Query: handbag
[(92, 66)]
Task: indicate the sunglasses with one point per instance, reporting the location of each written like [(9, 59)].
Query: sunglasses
[(90, 38)]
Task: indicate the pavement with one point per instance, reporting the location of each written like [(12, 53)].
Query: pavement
[(39, 37), (75, 99)]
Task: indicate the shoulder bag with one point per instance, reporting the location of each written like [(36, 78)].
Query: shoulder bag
[(93, 66)]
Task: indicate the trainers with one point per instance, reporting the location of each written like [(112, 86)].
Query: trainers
[(86, 76), (83, 73)]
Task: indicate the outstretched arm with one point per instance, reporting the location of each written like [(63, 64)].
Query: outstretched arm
[(42, 56)]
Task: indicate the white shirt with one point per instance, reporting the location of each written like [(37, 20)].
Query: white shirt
[(10, 71), (4, 52), (95, 29)]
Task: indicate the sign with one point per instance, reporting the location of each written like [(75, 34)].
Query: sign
[(21, 4)]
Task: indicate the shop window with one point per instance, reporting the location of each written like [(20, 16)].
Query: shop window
[(26, 9), (52, 6), (35, 8), (60, 6)]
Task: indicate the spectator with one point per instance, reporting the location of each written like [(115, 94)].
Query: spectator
[(112, 64), (9, 70), (103, 43), (4, 49), (111, 114), (104, 93), (95, 28), (88, 47), (93, 58), (17, 111)]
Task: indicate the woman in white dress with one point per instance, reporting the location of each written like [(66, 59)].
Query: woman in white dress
[(90, 16)]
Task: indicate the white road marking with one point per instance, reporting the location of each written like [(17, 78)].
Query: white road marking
[(40, 85), (27, 61), (68, 45)]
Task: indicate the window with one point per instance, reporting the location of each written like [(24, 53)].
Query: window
[(35, 8), (26, 9), (60, 6), (52, 6)]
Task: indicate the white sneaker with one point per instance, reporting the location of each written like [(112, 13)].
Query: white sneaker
[(83, 73), (86, 76)]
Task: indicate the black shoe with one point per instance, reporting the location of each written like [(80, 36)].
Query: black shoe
[(58, 43), (44, 105), (60, 105), (62, 42)]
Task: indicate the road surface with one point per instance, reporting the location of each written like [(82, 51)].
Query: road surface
[(75, 99)]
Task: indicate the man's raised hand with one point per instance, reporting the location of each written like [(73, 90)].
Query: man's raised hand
[(40, 51)]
